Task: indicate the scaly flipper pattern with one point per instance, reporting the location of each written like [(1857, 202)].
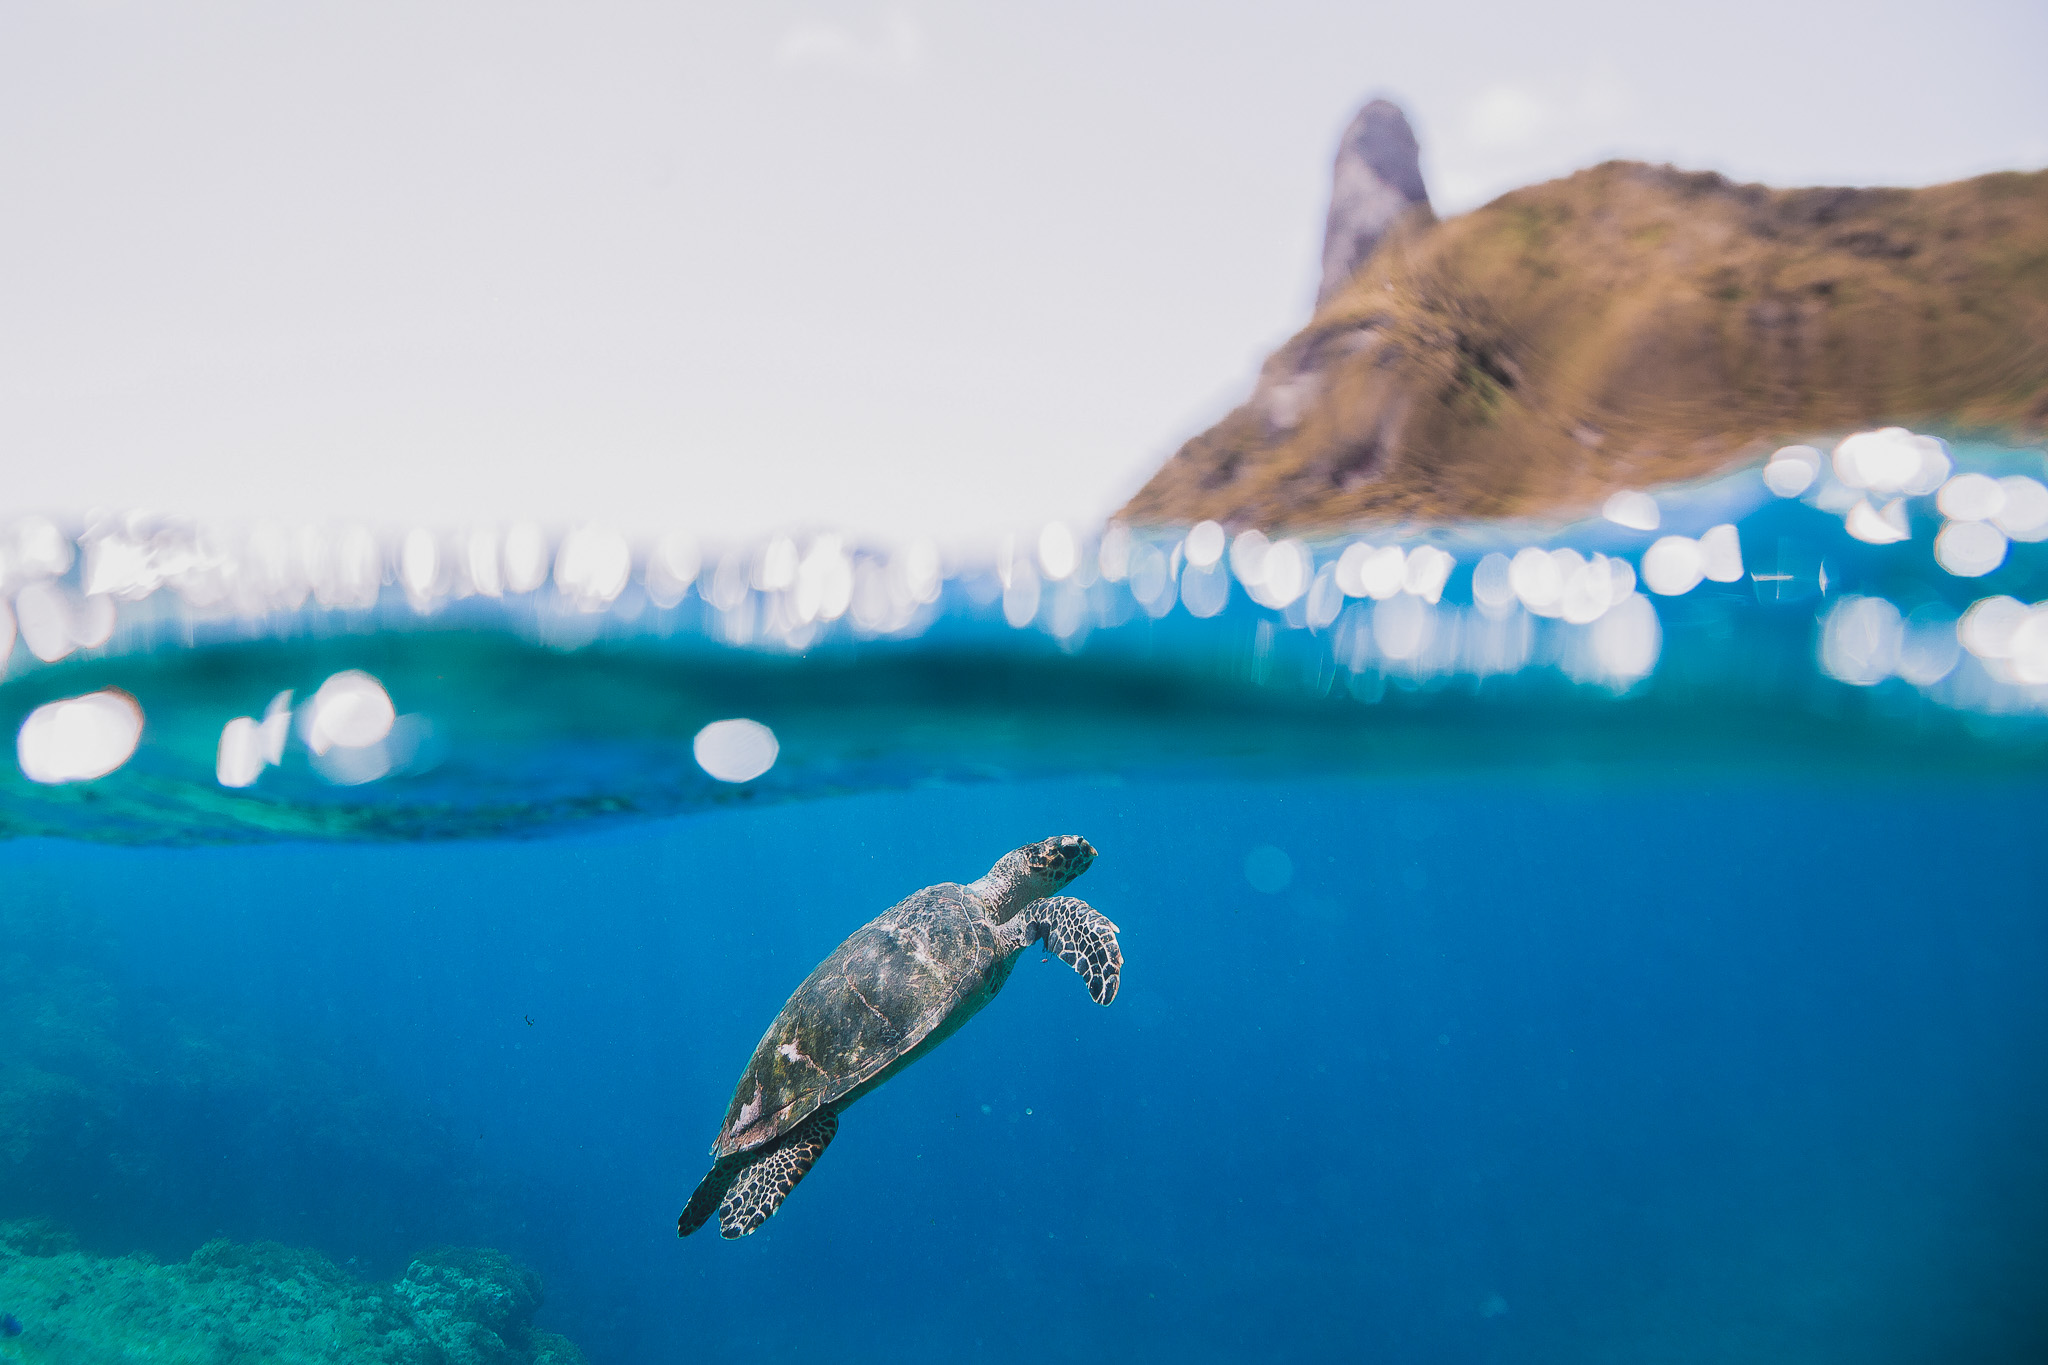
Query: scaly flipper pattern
[(1079, 935), (711, 1190), (759, 1189)]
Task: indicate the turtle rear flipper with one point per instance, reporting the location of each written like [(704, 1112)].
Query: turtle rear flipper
[(710, 1191), (760, 1186), (1079, 935)]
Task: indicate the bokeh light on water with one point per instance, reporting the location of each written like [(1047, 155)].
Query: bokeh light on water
[(1269, 869), (737, 750), (79, 738), (1902, 564), (350, 711)]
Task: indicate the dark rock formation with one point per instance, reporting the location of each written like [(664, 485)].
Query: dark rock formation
[(1377, 181), (1627, 326)]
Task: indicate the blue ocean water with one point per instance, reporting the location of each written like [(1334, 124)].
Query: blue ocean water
[(1600, 1068), (1530, 1013)]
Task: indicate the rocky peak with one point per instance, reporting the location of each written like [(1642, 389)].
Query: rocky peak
[(1626, 326), (1378, 178)]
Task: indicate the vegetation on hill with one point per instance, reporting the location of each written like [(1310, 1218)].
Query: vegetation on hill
[(1630, 325)]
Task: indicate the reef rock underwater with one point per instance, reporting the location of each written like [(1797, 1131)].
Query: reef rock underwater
[(111, 1100), (264, 1302)]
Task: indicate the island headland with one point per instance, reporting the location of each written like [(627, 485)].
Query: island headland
[(1626, 326)]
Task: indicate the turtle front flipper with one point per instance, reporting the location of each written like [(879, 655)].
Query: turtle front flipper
[(760, 1184), (1077, 934)]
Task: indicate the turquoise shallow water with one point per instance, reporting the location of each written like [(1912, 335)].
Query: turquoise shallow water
[(1499, 987)]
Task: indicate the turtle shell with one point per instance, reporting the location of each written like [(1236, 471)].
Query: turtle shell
[(869, 1004)]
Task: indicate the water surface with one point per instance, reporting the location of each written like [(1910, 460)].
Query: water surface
[(1478, 1005)]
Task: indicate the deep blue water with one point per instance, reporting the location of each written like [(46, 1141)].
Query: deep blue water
[(1589, 1065), (1520, 967)]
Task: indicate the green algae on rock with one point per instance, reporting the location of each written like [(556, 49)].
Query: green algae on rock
[(262, 1302), (1627, 326)]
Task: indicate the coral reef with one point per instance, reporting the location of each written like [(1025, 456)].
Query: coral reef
[(262, 1302)]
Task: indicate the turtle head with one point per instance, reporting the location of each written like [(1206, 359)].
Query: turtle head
[(1034, 872)]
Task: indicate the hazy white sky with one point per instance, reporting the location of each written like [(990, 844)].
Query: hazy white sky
[(889, 267)]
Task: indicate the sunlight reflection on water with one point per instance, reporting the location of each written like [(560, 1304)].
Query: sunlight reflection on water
[(79, 738), (1880, 546)]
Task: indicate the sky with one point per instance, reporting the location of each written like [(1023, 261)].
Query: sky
[(890, 268)]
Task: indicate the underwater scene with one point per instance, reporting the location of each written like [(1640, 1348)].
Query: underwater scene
[(1491, 941)]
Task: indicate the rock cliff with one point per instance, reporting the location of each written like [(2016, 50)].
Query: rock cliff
[(1625, 326), (1376, 183)]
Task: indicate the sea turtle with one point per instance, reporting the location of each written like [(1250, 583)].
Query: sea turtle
[(902, 984)]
